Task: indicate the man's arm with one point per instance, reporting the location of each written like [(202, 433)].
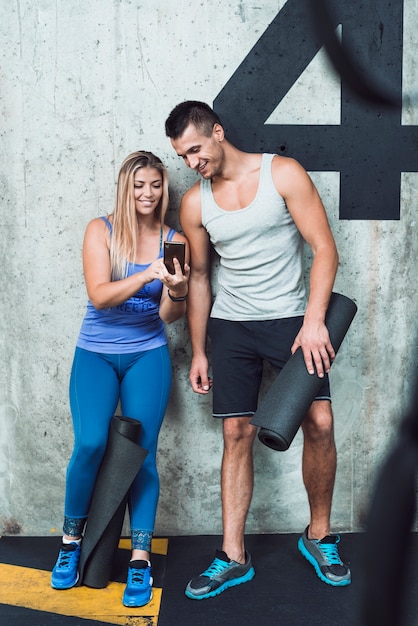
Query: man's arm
[(306, 208), (199, 300)]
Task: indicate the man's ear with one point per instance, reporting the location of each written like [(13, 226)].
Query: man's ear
[(218, 132)]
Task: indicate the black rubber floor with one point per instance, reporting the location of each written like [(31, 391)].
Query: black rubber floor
[(284, 592)]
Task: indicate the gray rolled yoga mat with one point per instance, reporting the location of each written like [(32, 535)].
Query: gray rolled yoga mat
[(121, 463), (284, 406)]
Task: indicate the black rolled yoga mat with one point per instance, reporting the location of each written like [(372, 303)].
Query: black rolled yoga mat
[(284, 406), (121, 462)]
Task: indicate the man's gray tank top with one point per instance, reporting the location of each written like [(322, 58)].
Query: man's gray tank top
[(261, 254)]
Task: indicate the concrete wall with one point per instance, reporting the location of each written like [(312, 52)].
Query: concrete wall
[(84, 84)]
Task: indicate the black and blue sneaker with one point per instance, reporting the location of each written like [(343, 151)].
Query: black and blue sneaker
[(323, 555), (138, 590), (65, 572), (220, 575)]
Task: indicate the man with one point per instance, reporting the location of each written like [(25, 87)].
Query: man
[(256, 210)]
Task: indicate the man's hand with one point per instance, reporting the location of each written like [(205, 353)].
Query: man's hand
[(316, 346), (201, 383)]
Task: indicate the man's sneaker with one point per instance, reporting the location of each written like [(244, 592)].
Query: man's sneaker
[(65, 572), (323, 555), (220, 575), (138, 590)]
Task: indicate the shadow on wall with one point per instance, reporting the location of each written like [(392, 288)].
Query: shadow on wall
[(389, 529), (365, 87)]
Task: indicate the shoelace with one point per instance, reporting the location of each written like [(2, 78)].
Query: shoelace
[(137, 575), (216, 567), (330, 552), (65, 558)]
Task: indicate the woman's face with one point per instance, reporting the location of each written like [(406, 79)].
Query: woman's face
[(148, 190)]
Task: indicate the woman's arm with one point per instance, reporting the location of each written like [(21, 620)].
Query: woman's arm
[(102, 292)]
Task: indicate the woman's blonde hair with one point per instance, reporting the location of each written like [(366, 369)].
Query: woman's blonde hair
[(123, 244)]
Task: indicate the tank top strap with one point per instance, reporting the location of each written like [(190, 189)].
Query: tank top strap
[(170, 234), (106, 221)]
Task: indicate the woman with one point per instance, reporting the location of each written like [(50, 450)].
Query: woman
[(122, 354)]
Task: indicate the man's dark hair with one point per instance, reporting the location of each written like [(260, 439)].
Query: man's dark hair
[(191, 112)]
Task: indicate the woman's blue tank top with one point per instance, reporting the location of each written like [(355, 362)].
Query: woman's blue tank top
[(133, 326)]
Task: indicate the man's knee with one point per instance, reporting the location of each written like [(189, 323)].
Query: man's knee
[(238, 430), (319, 423)]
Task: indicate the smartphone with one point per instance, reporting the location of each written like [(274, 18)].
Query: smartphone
[(174, 249)]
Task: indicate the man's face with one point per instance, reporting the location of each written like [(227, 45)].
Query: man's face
[(201, 153)]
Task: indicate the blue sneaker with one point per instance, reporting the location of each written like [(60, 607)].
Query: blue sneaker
[(220, 575), (138, 590), (65, 572), (323, 555)]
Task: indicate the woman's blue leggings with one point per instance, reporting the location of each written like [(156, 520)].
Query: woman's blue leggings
[(142, 382)]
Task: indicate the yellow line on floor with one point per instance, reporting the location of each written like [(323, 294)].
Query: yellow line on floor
[(31, 589)]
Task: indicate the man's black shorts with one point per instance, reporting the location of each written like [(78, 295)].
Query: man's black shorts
[(237, 354)]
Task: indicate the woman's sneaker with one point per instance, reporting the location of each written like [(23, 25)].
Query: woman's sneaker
[(65, 572), (138, 590), (220, 575), (323, 555)]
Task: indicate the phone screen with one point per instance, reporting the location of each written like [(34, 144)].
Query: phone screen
[(174, 249)]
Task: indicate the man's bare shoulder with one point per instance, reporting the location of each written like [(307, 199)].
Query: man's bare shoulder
[(190, 206), (192, 195), (285, 164), (287, 172)]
